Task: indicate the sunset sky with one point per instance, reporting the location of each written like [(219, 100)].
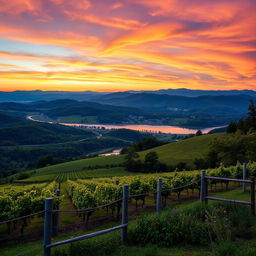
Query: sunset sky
[(106, 45)]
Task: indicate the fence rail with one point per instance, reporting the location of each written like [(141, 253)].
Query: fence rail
[(227, 179), (78, 238), (228, 200), (48, 227), (204, 190)]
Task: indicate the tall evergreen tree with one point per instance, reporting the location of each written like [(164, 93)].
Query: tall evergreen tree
[(252, 115)]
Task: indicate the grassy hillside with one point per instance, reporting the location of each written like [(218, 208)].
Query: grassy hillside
[(182, 151)]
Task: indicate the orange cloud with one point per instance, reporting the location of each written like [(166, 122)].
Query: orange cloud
[(135, 44)]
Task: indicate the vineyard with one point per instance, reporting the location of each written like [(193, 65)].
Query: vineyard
[(22, 200), (61, 176), (94, 192), (18, 201), (97, 200)]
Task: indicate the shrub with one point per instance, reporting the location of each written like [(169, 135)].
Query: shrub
[(197, 226)]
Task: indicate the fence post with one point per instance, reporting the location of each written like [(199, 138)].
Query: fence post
[(202, 187), (244, 176), (253, 195), (47, 225), (158, 196), (55, 225), (125, 212), (205, 190)]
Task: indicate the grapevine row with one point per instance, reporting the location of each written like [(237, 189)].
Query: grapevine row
[(91, 193), (16, 204)]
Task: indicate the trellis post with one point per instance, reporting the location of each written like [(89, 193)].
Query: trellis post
[(159, 196), (244, 176), (55, 225), (125, 212), (47, 225), (203, 186), (253, 195)]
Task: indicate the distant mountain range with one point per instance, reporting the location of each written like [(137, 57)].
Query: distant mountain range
[(38, 95), (217, 105), (77, 111), (138, 108), (180, 107), (196, 93)]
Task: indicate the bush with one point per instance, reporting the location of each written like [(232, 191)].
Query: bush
[(170, 229), (197, 226)]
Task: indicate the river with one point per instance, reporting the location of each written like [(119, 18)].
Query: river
[(144, 128), (137, 127)]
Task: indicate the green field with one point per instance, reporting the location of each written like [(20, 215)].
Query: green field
[(106, 166)]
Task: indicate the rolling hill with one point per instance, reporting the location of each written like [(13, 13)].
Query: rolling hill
[(172, 153), (67, 110), (24, 142), (19, 131), (219, 104), (38, 95), (140, 108)]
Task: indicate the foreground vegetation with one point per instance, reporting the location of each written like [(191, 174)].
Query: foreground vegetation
[(94, 192), (242, 242)]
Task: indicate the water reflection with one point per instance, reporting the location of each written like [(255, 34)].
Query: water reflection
[(144, 128)]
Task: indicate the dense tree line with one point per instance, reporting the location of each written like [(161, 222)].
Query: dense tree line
[(240, 145), (228, 150), (245, 125), (143, 144), (150, 163)]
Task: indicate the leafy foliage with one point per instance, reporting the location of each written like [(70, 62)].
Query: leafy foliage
[(19, 203), (144, 144), (198, 226)]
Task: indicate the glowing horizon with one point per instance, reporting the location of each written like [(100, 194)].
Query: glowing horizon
[(97, 45)]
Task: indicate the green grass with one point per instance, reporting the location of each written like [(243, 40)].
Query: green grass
[(184, 150)]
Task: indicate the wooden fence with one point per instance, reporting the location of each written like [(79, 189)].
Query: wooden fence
[(49, 227), (204, 190)]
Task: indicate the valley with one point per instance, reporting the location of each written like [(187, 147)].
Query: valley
[(44, 150)]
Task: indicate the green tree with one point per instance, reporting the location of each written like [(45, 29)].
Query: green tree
[(245, 125), (44, 161), (151, 162), (232, 127), (144, 144), (132, 162), (199, 133), (252, 114)]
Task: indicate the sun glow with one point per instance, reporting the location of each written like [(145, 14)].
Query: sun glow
[(130, 45)]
